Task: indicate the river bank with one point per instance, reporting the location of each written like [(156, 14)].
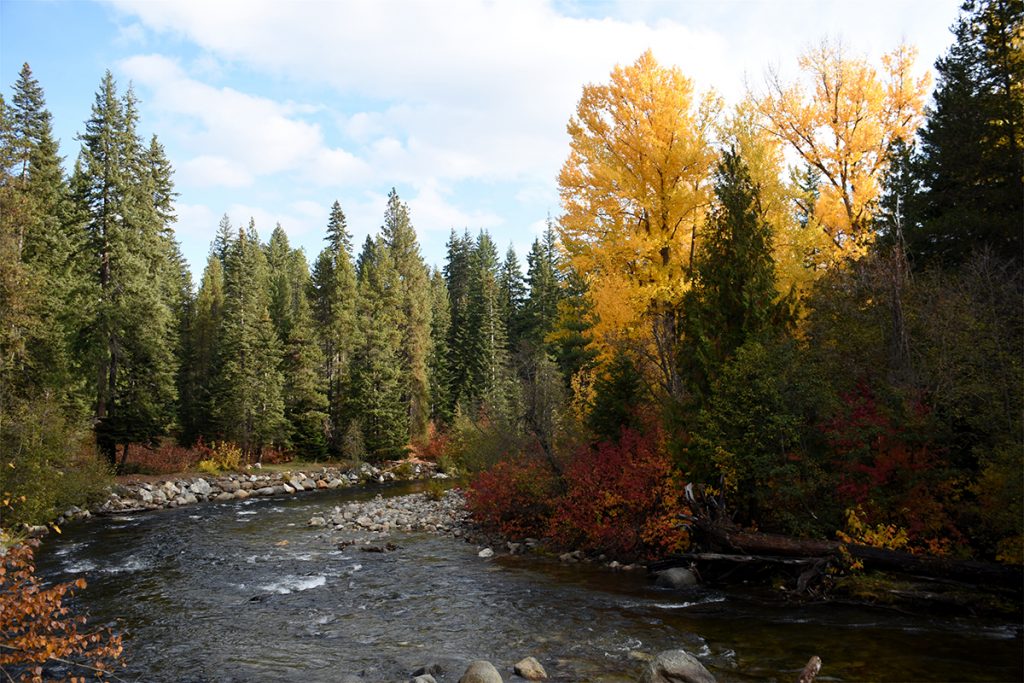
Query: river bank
[(172, 491)]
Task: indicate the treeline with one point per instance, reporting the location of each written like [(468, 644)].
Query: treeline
[(833, 352)]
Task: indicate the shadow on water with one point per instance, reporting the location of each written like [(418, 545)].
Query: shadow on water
[(244, 591)]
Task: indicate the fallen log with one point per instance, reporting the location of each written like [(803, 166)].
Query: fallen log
[(752, 543)]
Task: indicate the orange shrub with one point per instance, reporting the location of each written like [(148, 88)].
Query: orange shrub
[(37, 627)]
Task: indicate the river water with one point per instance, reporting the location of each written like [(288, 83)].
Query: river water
[(244, 591)]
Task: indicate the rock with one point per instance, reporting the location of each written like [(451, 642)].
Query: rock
[(530, 669), (229, 485), (241, 494), (429, 670), (481, 672), (349, 678), (296, 483), (676, 666), (677, 577), (265, 491), (288, 489), (317, 521), (200, 487), (224, 495), (425, 678), (485, 553), (189, 499), (145, 496)]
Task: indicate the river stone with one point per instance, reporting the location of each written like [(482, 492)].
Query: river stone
[(485, 553), (530, 669), (425, 678), (265, 491), (677, 577), (145, 496), (200, 487), (481, 671), (676, 666), (241, 494), (288, 489), (229, 485), (224, 495)]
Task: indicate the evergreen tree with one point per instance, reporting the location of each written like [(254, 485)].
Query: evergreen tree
[(571, 339), (133, 335), (489, 384), (512, 292), (438, 362), (333, 297), (250, 386), (972, 144), (457, 279), (733, 298), (377, 382), (222, 242), (203, 356), (541, 311), (414, 289)]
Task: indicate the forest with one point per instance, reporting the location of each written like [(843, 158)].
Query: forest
[(805, 309)]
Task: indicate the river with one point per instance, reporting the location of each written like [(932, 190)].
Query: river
[(244, 591)]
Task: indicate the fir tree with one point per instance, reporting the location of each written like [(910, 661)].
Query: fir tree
[(414, 289), (438, 363), (377, 382), (972, 144), (457, 279), (222, 242), (250, 386), (203, 356), (733, 298), (512, 291), (333, 297), (541, 310)]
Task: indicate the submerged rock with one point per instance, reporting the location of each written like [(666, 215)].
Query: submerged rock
[(676, 666), (677, 577)]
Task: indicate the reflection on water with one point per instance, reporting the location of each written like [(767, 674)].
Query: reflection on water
[(242, 591)]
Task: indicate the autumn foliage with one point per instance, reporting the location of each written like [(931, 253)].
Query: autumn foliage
[(617, 497), (38, 629)]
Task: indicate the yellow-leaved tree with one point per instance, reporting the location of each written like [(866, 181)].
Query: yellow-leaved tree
[(634, 189), (842, 120)]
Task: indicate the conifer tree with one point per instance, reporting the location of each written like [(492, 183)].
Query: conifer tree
[(512, 291), (414, 289), (222, 242), (972, 144), (543, 279), (734, 298), (333, 298), (377, 382), (438, 362), (203, 356), (133, 335), (250, 388), (457, 277)]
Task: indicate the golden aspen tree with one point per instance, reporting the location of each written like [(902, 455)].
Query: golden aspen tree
[(843, 125), (634, 190)]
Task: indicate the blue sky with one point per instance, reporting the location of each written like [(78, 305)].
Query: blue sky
[(273, 110)]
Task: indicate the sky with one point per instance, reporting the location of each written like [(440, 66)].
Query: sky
[(274, 110)]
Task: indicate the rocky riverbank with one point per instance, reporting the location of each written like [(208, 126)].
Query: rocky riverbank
[(188, 490)]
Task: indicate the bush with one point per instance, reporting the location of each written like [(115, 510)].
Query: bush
[(36, 626), (515, 497), (167, 458), (621, 498), (223, 456)]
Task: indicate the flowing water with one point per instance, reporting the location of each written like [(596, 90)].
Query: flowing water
[(244, 591)]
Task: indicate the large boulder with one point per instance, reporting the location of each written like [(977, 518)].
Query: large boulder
[(200, 487), (677, 577), (530, 669), (481, 671), (676, 666)]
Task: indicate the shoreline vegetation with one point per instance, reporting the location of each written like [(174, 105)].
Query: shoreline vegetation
[(794, 322)]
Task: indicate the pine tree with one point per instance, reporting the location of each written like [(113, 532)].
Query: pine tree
[(377, 383), (512, 291), (543, 279), (414, 288), (457, 279), (333, 298), (489, 384), (733, 298), (134, 334), (972, 144), (439, 373), (222, 242), (203, 356), (250, 387)]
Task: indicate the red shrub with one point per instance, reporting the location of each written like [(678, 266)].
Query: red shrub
[(621, 498), (514, 497), (167, 458)]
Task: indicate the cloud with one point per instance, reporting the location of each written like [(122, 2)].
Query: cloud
[(236, 136)]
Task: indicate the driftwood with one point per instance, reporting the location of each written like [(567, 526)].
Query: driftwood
[(773, 547), (811, 670)]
